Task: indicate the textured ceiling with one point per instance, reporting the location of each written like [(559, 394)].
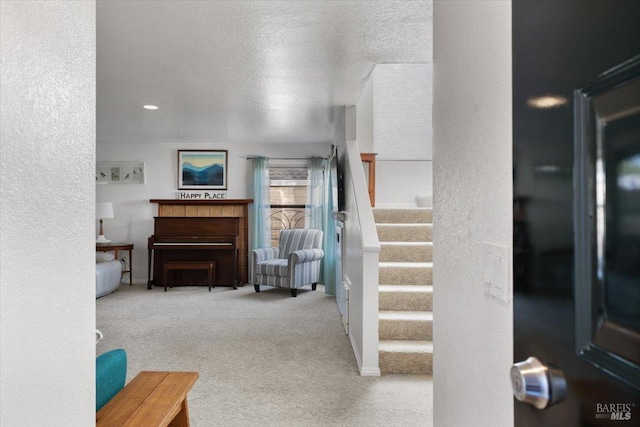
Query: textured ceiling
[(245, 71)]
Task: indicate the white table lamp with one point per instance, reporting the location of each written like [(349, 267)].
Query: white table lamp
[(103, 210)]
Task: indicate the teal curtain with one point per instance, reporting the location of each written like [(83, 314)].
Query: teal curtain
[(330, 203), (315, 193), (260, 229), (320, 205)]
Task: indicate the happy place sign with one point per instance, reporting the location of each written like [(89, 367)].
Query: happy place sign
[(202, 195)]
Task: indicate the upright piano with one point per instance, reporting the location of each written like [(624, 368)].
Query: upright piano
[(195, 239)]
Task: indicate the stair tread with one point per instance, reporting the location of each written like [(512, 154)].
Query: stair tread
[(407, 264), (405, 315), (406, 288), (403, 208), (404, 224), (405, 346), (405, 236), (417, 215), (400, 243)]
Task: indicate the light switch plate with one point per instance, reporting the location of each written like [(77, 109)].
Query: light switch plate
[(496, 270)]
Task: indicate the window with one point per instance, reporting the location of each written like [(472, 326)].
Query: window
[(288, 193)]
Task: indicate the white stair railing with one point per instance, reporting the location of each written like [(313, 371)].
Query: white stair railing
[(361, 264)]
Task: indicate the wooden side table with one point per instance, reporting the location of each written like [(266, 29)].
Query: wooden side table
[(152, 398), (115, 247)]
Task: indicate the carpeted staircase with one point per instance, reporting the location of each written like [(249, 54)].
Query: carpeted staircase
[(406, 290)]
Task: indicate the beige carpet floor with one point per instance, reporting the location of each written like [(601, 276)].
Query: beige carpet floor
[(264, 359)]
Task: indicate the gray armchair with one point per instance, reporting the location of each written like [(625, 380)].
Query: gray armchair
[(294, 264)]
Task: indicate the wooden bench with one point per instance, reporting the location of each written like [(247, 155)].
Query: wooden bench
[(152, 398), (189, 265)]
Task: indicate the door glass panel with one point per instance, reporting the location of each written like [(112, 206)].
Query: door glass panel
[(619, 235), (622, 245), (607, 182)]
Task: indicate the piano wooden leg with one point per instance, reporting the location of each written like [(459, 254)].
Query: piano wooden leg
[(149, 270), (235, 269), (210, 275), (166, 276)]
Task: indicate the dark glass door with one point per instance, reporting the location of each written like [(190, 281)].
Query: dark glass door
[(577, 206)]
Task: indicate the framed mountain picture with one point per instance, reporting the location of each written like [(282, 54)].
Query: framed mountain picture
[(202, 169)]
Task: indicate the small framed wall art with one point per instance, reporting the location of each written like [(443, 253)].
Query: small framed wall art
[(202, 169), (120, 173)]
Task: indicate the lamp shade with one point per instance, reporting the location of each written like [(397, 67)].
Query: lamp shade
[(104, 210)]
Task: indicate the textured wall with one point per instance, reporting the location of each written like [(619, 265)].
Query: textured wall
[(134, 214), (47, 274), (393, 119), (264, 71), (364, 118), (402, 132), (473, 203), (402, 100)]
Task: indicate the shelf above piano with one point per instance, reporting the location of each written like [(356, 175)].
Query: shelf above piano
[(201, 202)]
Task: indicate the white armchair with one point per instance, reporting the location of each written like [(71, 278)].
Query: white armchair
[(108, 273), (294, 264)]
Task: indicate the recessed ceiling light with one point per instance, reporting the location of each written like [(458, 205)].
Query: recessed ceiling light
[(548, 168), (150, 107), (547, 101)]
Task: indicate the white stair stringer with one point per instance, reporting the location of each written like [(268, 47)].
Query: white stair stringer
[(405, 290)]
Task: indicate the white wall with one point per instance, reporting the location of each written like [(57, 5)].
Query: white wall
[(402, 100), (364, 118), (393, 119), (47, 261), (134, 214), (473, 334), (350, 123), (399, 182), (402, 132)]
